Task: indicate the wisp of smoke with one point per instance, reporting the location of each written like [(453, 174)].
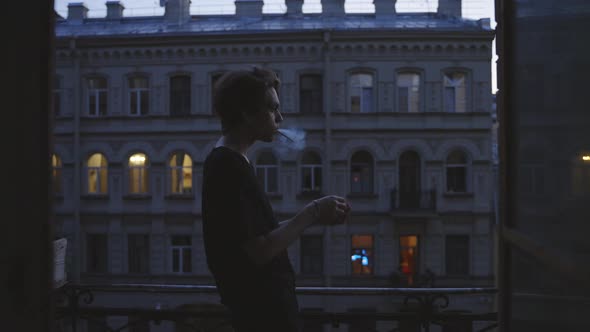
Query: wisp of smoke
[(294, 142)]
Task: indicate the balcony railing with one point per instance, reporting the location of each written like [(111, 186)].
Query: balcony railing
[(413, 200), (421, 308)]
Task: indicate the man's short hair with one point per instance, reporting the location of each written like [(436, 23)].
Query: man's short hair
[(241, 91)]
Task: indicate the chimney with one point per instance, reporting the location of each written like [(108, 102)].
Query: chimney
[(114, 10), (77, 12), (249, 8), (384, 8), (333, 8), (449, 8), (294, 7), (177, 11)]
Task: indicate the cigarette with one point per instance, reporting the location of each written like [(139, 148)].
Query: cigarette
[(284, 135)]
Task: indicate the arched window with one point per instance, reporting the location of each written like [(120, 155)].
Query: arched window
[(57, 92), (456, 172), (455, 92), (311, 172), (180, 95), (139, 95), (56, 167), (180, 173), (138, 173), (408, 92), (97, 174), (267, 172), (97, 96), (361, 173), (361, 93)]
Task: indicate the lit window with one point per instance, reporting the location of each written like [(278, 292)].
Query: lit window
[(138, 174), (361, 93), (455, 94), (138, 96), (97, 96), (267, 172), (97, 174), (456, 172), (408, 92), (408, 256), (56, 169), (361, 173), (180, 95), (310, 93), (362, 254), (181, 173), (181, 251), (311, 172)]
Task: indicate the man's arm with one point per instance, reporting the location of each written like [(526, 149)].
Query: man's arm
[(263, 248)]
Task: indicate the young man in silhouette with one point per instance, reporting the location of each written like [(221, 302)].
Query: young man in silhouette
[(246, 247)]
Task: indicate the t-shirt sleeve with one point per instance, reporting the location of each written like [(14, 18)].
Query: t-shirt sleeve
[(230, 210)]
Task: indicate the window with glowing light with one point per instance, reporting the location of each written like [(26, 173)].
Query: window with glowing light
[(408, 256), (180, 173), (361, 258), (97, 174), (267, 171), (456, 176), (455, 92), (408, 92), (139, 95), (361, 173), (361, 93), (311, 172), (138, 174), (56, 170), (96, 100)]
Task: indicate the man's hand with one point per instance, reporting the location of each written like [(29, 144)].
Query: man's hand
[(330, 210)]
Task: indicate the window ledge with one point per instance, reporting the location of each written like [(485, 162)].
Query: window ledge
[(180, 197), (362, 195), (138, 196), (98, 197), (310, 194), (458, 194)]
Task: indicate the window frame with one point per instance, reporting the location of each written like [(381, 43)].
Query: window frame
[(312, 167), (468, 169), (300, 75), (147, 172), (321, 254), (139, 92), (97, 93), (371, 182), (265, 169), (87, 252), (467, 77), (420, 73), (169, 172), (359, 71), (86, 183), (371, 260), (148, 248), (191, 102), (469, 255), (181, 252)]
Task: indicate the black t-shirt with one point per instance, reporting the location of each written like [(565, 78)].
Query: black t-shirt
[(235, 208)]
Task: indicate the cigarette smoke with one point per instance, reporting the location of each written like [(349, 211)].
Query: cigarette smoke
[(285, 146)]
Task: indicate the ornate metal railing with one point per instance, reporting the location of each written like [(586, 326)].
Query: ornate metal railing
[(413, 200), (74, 303)]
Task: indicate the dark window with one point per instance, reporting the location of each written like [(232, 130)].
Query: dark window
[(311, 172), (138, 96), (138, 253), (180, 95), (310, 94), (409, 180), (457, 255), (312, 254), (181, 254), (267, 172), (361, 173), (96, 253), (97, 96), (456, 172)]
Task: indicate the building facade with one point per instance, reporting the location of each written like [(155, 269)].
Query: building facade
[(394, 110)]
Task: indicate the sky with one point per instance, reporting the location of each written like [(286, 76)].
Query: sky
[(472, 9)]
